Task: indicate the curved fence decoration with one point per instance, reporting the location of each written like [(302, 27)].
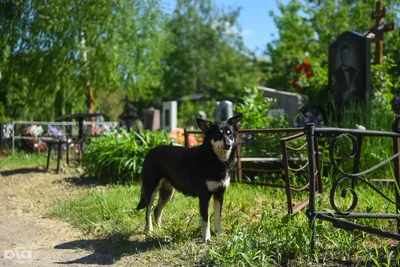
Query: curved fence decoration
[(355, 179)]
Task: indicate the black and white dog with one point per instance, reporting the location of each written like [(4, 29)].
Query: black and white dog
[(202, 171)]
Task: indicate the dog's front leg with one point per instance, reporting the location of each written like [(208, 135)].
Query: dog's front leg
[(205, 221), (218, 199)]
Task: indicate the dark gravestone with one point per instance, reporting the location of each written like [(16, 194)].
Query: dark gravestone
[(349, 70), (152, 119)]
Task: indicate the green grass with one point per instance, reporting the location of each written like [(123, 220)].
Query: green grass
[(23, 159), (257, 231)]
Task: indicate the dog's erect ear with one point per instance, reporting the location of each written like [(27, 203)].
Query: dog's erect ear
[(204, 125), (235, 121)]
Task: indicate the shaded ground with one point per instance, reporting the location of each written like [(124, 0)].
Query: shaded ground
[(26, 195)]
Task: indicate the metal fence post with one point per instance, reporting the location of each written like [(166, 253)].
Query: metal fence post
[(287, 176), (310, 131), (13, 137), (396, 149)]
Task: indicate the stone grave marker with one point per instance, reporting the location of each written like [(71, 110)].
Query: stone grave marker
[(169, 115), (288, 103), (152, 119), (349, 70), (276, 113), (201, 115), (224, 110)]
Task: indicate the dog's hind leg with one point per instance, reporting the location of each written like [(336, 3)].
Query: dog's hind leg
[(205, 220), (166, 192), (149, 224)]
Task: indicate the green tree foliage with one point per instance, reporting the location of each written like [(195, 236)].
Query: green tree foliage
[(51, 49), (189, 109), (207, 53), (307, 28)]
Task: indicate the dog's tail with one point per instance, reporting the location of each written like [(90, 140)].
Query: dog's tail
[(142, 203)]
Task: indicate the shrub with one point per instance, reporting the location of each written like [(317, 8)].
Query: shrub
[(119, 157), (188, 110), (255, 107)]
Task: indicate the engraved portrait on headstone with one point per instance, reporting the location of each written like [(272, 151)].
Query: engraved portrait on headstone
[(349, 69)]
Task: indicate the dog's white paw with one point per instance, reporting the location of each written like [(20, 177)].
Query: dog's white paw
[(205, 230), (206, 238), (149, 229)]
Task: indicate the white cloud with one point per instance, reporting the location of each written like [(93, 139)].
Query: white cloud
[(231, 29)]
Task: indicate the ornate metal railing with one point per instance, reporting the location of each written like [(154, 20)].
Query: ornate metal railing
[(281, 137), (356, 178)]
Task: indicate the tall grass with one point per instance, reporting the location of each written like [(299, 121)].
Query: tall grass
[(119, 157)]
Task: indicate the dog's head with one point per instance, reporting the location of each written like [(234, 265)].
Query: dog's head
[(221, 135)]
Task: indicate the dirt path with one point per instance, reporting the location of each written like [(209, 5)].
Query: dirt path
[(27, 237)]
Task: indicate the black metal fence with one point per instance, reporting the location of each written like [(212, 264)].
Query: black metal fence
[(348, 182)]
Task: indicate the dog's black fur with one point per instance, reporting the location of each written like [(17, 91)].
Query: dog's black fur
[(202, 172)]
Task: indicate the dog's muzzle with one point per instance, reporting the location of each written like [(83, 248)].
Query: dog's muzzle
[(227, 147)]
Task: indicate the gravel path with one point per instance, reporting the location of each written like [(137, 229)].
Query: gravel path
[(27, 237)]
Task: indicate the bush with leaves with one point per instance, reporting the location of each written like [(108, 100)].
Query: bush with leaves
[(255, 107), (188, 110), (119, 157)]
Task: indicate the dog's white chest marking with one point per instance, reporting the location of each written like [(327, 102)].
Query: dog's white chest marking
[(222, 154), (213, 186)]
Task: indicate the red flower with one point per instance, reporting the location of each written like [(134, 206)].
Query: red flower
[(298, 69), (306, 64), (309, 73), (293, 83)]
